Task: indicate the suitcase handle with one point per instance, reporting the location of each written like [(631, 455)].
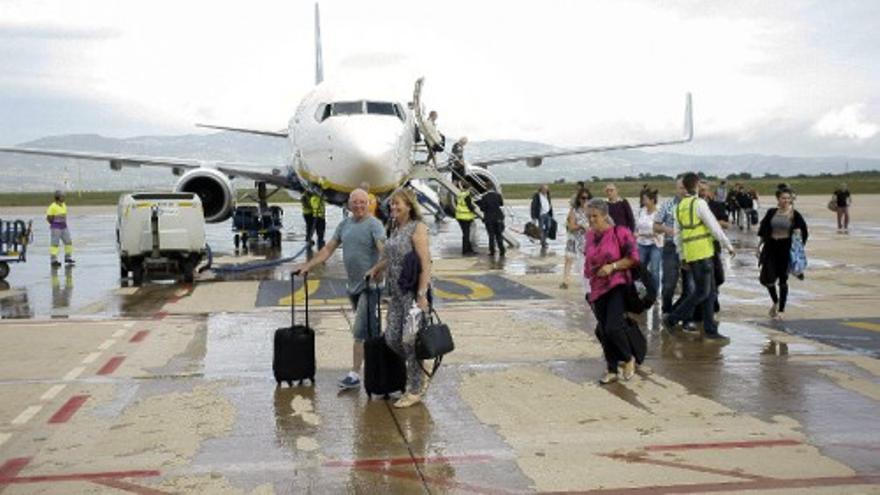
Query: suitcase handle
[(378, 305), (293, 296)]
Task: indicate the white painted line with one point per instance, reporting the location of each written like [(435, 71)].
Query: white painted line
[(107, 344), (74, 373), (91, 358), (4, 437), (119, 333), (26, 415), (52, 392), (129, 324)]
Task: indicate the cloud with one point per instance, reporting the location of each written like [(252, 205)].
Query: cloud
[(848, 122), (54, 32)]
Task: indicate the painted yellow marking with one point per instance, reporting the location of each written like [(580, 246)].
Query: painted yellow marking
[(52, 392), (26, 415), (74, 373), (864, 325), (478, 291), (299, 297)]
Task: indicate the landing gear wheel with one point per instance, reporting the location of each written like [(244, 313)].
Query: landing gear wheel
[(4, 270)]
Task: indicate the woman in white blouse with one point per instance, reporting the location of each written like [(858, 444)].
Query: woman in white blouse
[(650, 242)]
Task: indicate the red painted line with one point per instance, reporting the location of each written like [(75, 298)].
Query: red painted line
[(397, 461), (160, 315), (723, 445), (733, 486), (140, 336), (111, 365), (130, 487), (12, 467), (690, 467), (80, 477), (70, 408)]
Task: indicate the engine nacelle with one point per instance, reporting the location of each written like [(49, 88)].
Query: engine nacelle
[(214, 189)]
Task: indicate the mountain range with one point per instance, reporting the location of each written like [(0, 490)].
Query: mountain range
[(33, 173)]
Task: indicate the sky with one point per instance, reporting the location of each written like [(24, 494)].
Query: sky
[(796, 78)]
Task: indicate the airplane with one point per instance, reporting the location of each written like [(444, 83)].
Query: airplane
[(342, 135)]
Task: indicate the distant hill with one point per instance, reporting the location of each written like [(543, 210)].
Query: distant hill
[(30, 173)]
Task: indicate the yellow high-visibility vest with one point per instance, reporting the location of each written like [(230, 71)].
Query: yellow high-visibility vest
[(696, 238), (317, 204), (462, 212)]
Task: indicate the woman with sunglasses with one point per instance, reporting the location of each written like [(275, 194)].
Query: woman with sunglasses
[(576, 224)]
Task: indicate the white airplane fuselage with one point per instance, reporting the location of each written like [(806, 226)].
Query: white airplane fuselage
[(342, 138)]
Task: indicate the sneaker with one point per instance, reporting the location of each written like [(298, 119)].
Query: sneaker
[(349, 382), (629, 369), (779, 316), (690, 327), (69, 261), (716, 337), (55, 263), (774, 310), (608, 378), (408, 400), (669, 323)]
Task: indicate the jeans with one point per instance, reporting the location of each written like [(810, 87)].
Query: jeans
[(671, 267), (700, 280), (649, 256), (544, 223)]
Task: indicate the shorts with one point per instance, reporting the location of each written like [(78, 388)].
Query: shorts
[(364, 304)]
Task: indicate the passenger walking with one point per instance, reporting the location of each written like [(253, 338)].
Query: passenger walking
[(843, 200), (609, 252), (456, 159), (695, 226), (493, 218), (541, 211), (665, 223), (649, 240), (362, 238), (408, 233), (777, 229), (721, 192), (746, 205), (576, 224), (619, 208), (464, 214), (59, 232)]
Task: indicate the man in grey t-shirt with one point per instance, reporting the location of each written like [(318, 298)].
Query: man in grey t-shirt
[(362, 238)]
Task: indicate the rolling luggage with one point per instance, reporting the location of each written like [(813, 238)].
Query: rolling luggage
[(384, 370), (294, 347)]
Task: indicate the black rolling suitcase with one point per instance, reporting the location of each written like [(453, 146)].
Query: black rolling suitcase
[(384, 370), (294, 352)]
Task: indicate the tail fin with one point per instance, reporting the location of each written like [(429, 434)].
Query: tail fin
[(319, 59)]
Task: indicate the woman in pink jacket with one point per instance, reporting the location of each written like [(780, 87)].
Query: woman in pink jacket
[(609, 252)]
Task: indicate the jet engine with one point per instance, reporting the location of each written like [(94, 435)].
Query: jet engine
[(214, 189)]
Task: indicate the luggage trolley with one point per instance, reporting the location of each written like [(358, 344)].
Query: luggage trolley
[(15, 235)]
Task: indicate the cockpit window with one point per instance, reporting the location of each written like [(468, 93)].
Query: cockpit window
[(328, 110)]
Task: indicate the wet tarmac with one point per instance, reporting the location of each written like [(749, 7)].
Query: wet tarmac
[(167, 388)]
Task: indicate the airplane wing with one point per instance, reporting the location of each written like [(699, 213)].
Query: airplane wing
[(178, 166), (535, 159), (259, 132)]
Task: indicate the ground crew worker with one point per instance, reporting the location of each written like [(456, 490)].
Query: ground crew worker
[(464, 213), (695, 228), (56, 215), (308, 217), (316, 201)]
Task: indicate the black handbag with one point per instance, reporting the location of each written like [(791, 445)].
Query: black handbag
[(433, 341)]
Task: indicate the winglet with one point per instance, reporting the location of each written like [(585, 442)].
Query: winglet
[(319, 58), (688, 118)]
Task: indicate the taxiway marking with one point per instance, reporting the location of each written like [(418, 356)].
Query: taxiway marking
[(864, 325), (26, 415), (750, 444), (91, 358), (4, 437), (72, 374), (11, 468), (118, 333), (161, 315), (107, 344), (140, 336), (111, 365), (128, 487), (69, 408), (52, 392), (734, 486), (397, 461)]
